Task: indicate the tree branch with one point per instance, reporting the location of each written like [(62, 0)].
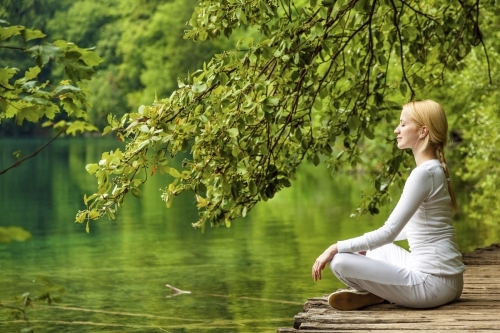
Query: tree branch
[(478, 32), (12, 47), (396, 25), (18, 163), (418, 12)]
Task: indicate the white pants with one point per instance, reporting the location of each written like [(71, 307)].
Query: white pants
[(384, 272)]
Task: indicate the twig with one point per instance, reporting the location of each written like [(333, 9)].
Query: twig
[(478, 31), (12, 47), (176, 291), (419, 12)]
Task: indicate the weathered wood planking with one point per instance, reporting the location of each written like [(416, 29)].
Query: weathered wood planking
[(478, 310)]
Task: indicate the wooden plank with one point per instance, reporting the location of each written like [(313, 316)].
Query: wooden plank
[(293, 330), (414, 326), (404, 320), (401, 318), (401, 312), (469, 298)]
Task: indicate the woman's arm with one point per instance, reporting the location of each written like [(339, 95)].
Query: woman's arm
[(417, 188), (402, 235), (322, 260)]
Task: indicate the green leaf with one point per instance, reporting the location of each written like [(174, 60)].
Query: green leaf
[(71, 107), (66, 88), (30, 99), (199, 87), (8, 32), (223, 79), (354, 122), (252, 187), (369, 134), (5, 75), (285, 182), (419, 81), (318, 104), (3, 105), (76, 69), (92, 168), (174, 173), (409, 31), (90, 58), (32, 73), (271, 101), (403, 88), (233, 132), (81, 126), (136, 192), (29, 34), (51, 110), (106, 130), (44, 53), (316, 160), (31, 114)]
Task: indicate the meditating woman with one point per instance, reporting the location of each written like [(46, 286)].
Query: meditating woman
[(374, 268)]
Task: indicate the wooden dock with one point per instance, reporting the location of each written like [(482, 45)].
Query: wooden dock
[(478, 310)]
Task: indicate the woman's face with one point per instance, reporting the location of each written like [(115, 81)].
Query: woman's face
[(407, 132)]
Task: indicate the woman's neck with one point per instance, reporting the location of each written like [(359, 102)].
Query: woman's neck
[(424, 156)]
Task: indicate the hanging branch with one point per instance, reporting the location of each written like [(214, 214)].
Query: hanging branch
[(19, 162)]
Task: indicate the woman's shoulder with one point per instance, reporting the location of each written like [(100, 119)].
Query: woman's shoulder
[(428, 166), (426, 169)]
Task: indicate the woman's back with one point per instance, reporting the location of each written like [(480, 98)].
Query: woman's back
[(430, 231)]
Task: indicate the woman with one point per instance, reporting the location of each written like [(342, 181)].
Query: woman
[(432, 273)]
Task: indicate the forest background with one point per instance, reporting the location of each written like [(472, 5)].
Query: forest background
[(144, 54)]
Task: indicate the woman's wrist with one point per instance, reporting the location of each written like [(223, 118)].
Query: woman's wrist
[(333, 249)]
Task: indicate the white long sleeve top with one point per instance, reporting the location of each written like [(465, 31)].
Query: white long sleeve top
[(424, 214)]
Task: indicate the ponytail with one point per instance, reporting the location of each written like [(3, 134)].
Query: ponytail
[(440, 155)]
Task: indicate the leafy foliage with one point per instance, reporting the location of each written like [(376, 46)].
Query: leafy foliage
[(323, 78), (26, 97)]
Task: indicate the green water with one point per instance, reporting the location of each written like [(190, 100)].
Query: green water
[(252, 277)]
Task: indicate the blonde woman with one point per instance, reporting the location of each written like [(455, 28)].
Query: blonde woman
[(431, 274)]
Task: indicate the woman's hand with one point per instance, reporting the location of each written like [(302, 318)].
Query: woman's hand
[(322, 260)]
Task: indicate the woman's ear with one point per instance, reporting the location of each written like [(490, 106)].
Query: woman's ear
[(423, 132)]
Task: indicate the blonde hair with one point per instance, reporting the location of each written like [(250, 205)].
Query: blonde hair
[(431, 115)]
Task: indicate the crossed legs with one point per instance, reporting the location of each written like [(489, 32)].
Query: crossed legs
[(384, 272)]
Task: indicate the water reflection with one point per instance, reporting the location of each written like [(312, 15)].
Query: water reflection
[(252, 277)]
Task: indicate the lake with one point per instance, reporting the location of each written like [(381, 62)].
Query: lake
[(251, 277)]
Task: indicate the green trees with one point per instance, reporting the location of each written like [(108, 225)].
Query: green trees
[(119, 32), (474, 102), (142, 46), (321, 80), (296, 81)]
